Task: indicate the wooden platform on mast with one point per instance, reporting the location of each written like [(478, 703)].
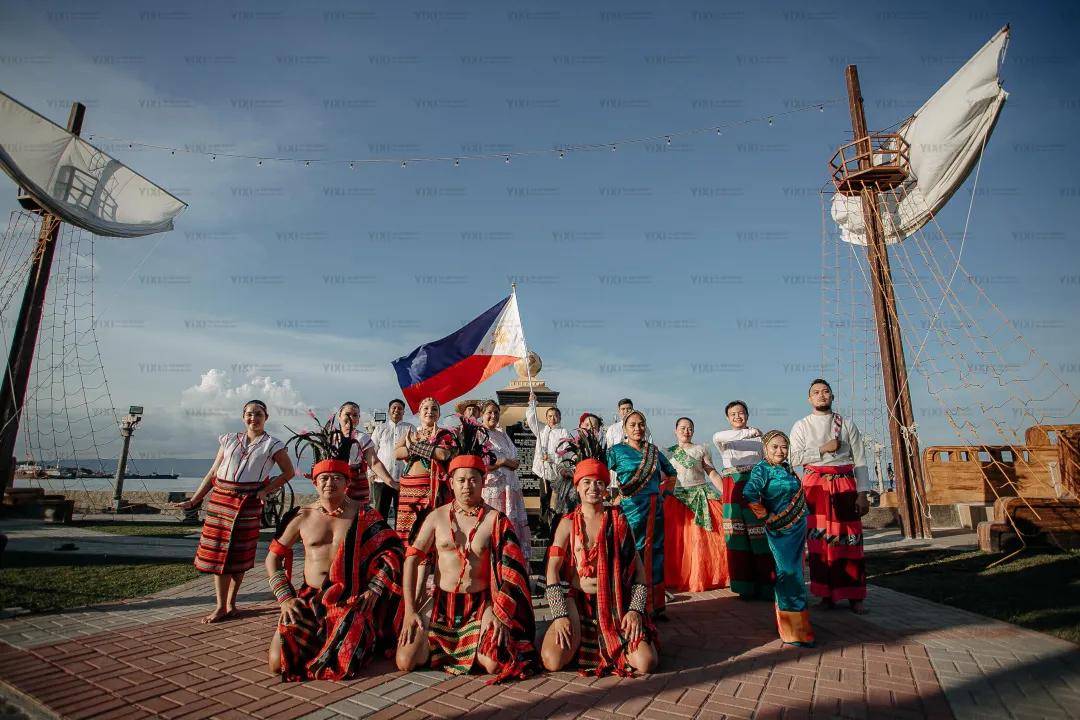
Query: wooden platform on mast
[(879, 162)]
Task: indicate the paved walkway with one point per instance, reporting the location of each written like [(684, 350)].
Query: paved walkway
[(151, 657), (38, 537)]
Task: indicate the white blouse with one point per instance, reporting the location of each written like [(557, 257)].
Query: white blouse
[(247, 462), (738, 448), (504, 449), (689, 469)]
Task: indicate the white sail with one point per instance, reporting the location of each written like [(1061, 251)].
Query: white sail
[(74, 180), (945, 138)]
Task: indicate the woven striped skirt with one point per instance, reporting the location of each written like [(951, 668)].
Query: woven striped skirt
[(414, 495), (588, 656), (835, 533), (230, 532), (454, 633), (749, 562)]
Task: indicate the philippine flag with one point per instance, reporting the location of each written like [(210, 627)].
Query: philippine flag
[(450, 367)]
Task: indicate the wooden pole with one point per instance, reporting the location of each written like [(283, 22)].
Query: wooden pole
[(24, 340), (910, 489)]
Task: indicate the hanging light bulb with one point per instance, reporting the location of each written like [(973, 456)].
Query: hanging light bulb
[(668, 139), (457, 163), (821, 108), (259, 163), (612, 148), (507, 160), (718, 133), (130, 146), (770, 122), (402, 163), (562, 154), (307, 163), (351, 166), (213, 158)]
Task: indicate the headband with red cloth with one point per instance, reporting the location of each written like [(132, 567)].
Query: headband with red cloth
[(473, 462), (590, 467), (588, 415), (330, 466)]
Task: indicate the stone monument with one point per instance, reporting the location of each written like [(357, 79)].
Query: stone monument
[(513, 399)]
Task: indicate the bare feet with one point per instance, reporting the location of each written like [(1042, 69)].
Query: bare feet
[(218, 615), (232, 611), (857, 607)]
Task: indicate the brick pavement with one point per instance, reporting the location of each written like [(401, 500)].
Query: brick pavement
[(720, 658)]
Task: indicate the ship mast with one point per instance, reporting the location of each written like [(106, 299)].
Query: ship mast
[(24, 340), (865, 168)]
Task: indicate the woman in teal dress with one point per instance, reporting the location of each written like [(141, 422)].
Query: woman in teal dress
[(775, 495), (641, 470)]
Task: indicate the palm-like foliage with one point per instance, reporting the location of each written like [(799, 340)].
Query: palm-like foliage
[(327, 442), (472, 438)]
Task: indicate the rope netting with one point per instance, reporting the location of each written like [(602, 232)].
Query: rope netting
[(69, 425), (973, 370)]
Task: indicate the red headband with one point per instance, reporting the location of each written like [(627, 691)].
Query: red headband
[(474, 462), (590, 467), (330, 466), (588, 415)]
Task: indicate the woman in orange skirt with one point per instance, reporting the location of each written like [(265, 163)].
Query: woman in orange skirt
[(694, 551)]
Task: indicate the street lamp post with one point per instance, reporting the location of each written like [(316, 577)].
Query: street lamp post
[(127, 429)]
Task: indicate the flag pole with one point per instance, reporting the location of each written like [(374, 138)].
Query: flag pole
[(528, 365)]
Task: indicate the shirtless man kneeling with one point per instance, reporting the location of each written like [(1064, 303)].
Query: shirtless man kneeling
[(345, 611), (592, 565), (481, 612)]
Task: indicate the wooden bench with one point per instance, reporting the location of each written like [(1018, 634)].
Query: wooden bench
[(1042, 521)]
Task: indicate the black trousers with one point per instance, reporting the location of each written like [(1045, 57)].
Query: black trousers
[(383, 497)]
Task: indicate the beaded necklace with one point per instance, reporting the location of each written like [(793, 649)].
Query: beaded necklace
[(463, 552), (585, 557)]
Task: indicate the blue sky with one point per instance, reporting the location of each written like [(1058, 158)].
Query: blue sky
[(681, 275)]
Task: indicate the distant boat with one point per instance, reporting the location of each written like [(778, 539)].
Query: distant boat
[(152, 476), (29, 469)]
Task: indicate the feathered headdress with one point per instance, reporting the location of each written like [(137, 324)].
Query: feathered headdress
[(325, 443), (582, 455), (472, 439), (581, 445)]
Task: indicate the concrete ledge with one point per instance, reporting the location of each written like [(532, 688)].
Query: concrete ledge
[(971, 514), (26, 704), (880, 517), (944, 517)]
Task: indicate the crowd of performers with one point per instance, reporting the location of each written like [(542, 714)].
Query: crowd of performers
[(448, 586)]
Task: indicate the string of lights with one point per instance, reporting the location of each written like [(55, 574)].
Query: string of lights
[(560, 151)]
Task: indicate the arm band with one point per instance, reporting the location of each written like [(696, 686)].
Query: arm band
[(279, 549), (413, 551), (556, 600), (639, 595), (281, 587), (556, 551)]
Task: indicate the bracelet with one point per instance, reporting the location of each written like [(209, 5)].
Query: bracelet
[(639, 595), (281, 587), (376, 586), (556, 600)]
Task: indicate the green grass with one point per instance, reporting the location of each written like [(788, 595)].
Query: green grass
[(41, 582), (1039, 589), (140, 529)]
